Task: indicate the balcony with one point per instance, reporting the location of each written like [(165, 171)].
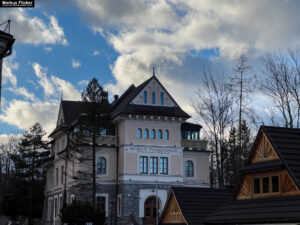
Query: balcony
[(107, 140), (194, 144)]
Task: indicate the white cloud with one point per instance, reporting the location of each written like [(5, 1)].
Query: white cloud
[(83, 83), (7, 71), (33, 30), (23, 114), (76, 64), (54, 86), (166, 33), (48, 49), (46, 84), (22, 91), (44, 109), (96, 52)]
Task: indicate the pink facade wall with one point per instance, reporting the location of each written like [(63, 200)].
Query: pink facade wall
[(176, 165), (132, 126)]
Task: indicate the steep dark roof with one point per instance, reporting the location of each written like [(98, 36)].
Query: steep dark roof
[(286, 142), (71, 110), (123, 106), (260, 210), (263, 166), (190, 127), (197, 203)]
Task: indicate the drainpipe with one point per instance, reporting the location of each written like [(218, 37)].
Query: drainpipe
[(117, 177)]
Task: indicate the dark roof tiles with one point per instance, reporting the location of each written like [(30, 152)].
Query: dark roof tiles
[(197, 203)]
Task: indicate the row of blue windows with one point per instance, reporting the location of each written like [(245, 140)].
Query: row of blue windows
[(162, 101), (163, 165), (159, 136)]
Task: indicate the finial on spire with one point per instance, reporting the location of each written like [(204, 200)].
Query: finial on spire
[(61, 96), (153, 71)]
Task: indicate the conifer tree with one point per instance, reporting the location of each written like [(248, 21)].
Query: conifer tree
[(237, 152), (32, 152), (93, 122)]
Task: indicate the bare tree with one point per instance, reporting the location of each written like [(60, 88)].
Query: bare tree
[(242, 83), (282, 85), (213, 105)]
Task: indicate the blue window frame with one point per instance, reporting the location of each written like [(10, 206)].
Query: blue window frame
[(101, 165), (163, 165), (143, 164), (146, 134), (189, 168), (139, 133), (159, 134), (145, 97), (153, 165), (153, 134), (153, 97), (166, 135), (162, 100)]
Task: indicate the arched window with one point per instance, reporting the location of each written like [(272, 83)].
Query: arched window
[(146, 134), (159, 134), (153, 134), (153, 97), (166, 135), (162, 101), (189, 168), (101, 165), (139, 133), (145, 97)]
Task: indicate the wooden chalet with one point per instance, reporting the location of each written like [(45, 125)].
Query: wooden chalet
[(269, 189), (190, 205)]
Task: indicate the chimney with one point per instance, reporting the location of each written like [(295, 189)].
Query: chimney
[(116, 97)]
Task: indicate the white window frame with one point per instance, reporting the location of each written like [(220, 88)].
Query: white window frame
[(50, 207), (106, 201), (119, 205)]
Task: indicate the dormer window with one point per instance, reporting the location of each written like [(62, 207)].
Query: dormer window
[(153, 98), (145, 97), (162, 102)]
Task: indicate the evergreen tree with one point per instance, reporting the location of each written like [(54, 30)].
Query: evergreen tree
[(237, 156), (32, 152), (93, 122)]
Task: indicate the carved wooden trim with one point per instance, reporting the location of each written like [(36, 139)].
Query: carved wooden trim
[(287, 185), (173, 213), (264, 151), (245, 191)]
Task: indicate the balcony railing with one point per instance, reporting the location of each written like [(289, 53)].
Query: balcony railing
[(196, 144)]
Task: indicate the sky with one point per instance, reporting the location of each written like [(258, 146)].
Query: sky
[(61, 45)]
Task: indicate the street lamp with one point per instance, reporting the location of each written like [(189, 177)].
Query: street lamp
[(6, 43)]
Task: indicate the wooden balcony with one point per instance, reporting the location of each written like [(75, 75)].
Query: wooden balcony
[(107, 140), (193, 144)]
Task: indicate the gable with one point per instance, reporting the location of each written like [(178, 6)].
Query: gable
[(263, 150), (172, 213), (156, 88), (60, 117)]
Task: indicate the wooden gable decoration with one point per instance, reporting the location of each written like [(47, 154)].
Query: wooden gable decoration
[(172, 213), (263, 150)]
